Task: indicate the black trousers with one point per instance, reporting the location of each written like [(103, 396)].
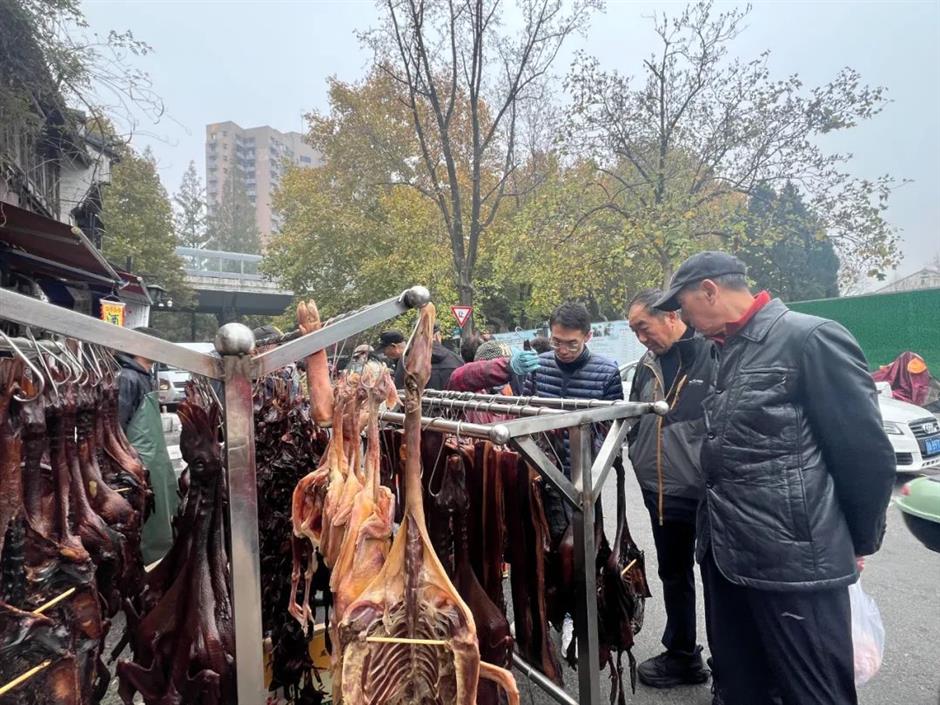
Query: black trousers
[(771, 647), (675, 555)]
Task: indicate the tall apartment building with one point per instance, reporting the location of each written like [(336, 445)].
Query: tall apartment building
[(260, 155)]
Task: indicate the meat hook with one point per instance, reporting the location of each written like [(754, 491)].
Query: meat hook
[(37, 373), (41, 352), (74, 366)]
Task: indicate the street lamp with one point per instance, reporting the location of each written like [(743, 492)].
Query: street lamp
[(159, 296)]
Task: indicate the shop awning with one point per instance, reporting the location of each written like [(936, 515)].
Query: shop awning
[(133, 289), (34, 244)]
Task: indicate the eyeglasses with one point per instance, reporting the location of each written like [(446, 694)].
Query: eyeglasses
[(564, 344)]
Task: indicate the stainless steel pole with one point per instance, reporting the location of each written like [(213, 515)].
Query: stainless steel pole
[(496, 433), (38, 314), (538, 678), (589, 687), (235, 342), (558, 403)]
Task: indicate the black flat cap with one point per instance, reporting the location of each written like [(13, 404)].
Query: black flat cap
[(389, 337), (704, 265)]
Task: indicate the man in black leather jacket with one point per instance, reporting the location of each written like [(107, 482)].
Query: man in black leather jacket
[(798, 473)]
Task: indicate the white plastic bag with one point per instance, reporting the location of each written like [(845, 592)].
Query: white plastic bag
[(868, 634)]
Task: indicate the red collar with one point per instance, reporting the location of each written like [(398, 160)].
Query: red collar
[(734, 327)]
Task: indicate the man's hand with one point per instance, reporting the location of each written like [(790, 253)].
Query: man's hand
[(523, 361), (860, 563)]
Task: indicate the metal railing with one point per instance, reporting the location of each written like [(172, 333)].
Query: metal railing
[(217, 263)]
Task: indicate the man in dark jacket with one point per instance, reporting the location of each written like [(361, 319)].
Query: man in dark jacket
[(443, 362), (798, 473), (570, 370), (664, 451), (135, 381), (390, 348)]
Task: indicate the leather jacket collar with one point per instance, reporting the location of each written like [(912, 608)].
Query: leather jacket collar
[(757, 328)]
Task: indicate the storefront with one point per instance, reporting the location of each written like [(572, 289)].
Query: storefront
[(56, 263)]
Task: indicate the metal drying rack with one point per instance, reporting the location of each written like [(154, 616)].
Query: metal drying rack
[(530, 416), (236, 368)]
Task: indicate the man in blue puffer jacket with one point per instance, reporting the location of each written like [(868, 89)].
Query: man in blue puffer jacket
[(570, 370)]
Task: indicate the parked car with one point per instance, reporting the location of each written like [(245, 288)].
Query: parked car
[(172, 381), (914, 432)]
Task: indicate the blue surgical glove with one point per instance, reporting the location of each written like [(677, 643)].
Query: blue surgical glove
[(523, 362)]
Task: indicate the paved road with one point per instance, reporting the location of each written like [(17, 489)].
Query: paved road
[(904, 579)]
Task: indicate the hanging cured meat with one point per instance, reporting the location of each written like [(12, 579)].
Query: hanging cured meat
[(105, 545), (28, 640), (391, 468), (184, 643), (492, 626), (622, 592), (119, 461), (346, 476), (287, 445), (487, 516), (318, 368), (11, 449), (321, 501), (528, 544), (410, 638), (369, 529), (51, 536)]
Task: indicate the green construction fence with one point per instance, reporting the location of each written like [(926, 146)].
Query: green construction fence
[(887, 324)]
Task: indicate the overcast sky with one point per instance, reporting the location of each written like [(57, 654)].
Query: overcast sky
[(266, 62)]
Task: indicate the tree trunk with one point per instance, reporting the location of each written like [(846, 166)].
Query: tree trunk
[(668, 270)]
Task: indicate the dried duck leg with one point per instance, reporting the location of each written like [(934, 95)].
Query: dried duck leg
[(318, 367)]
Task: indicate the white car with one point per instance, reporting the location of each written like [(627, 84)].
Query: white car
[(914, 432), (172, 381)]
